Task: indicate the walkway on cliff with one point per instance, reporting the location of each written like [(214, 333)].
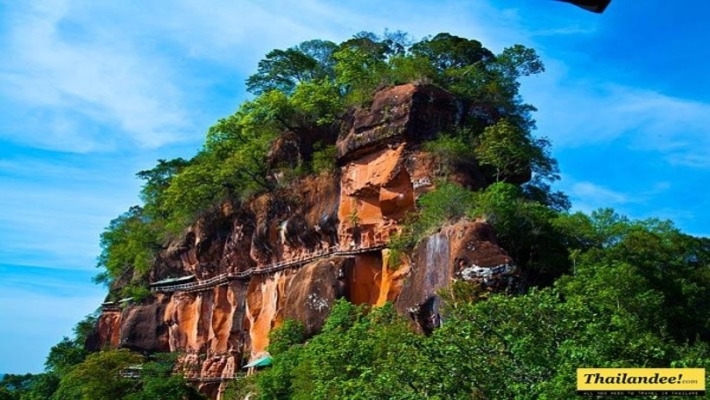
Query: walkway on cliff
[(217, 379), (222, 279)]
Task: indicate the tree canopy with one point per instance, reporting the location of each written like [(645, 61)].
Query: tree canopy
[(301, 93), (624, 304), (603, 290)]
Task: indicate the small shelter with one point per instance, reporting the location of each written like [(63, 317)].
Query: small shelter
[(110, 306), (173, 281), (260, 362)]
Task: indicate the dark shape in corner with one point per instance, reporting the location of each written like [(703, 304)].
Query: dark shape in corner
[(597, 6)]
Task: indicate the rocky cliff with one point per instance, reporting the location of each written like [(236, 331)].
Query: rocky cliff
[(291, 253)]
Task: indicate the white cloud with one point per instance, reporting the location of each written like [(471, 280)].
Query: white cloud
[(588, 193), (642, 202), (82, 95), (37, 322), (575, 113), (81, 76), (244, 31), (51, 214)]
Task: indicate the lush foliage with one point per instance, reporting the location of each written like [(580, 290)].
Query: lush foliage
[(128, 247), (632, 299), (300, 94), (99, 377), (72, 373), (524, 227), (512, 152), (451, 150), (605, 291), (448, 203)]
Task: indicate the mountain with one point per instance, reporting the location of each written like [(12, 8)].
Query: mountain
[(239, 272)]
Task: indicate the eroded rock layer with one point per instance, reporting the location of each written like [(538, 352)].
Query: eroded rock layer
[(355, 211)]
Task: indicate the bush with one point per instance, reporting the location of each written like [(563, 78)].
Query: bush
[(128, 243), (451, 150), (281, 339), (135, 292), (447, 203), (324, 159)]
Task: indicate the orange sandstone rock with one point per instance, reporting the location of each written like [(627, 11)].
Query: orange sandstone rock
[(381, 171)]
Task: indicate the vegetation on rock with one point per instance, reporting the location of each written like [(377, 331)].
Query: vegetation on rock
[(72, 373), (605, 291), (633, 299), (303, 91)]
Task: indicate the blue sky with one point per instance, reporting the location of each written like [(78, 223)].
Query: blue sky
[(92, 92)]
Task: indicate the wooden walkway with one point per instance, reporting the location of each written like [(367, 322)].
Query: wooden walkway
[(136, 374), (202, 379), (223, 279)]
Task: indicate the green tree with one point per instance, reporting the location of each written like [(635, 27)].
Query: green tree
[(513, 153), (452, 151), (324, 159), (289, 334), (315, 104), (361, 66), (42, 387), (445, 51), (98, 377), (65, 355), (15, 386), (284, 70), (68, 352), (158, 381), (157, 180), (360, 355), (365, 356), (447, 203), (128, 246), (231, 165), (672, 262)]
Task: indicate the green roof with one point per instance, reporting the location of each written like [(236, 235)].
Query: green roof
[(259, 362), (173, 280)]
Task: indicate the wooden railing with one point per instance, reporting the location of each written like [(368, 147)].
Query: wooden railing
[(223, 279), (203, 379), (136, 374)]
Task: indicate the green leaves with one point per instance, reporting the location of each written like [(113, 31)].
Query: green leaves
[(316, 103), (283, 70), (452, 150), (159, 381), (65, 355), (513, 153), (289, 334), (449, 202), (445, 51), (301, 93), (359, 355), (360, 67), (128, 245), (98, 378), (157, 180)]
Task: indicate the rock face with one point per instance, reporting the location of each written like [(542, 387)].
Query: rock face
[(403, 113), (464, 251), (336, 227)]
